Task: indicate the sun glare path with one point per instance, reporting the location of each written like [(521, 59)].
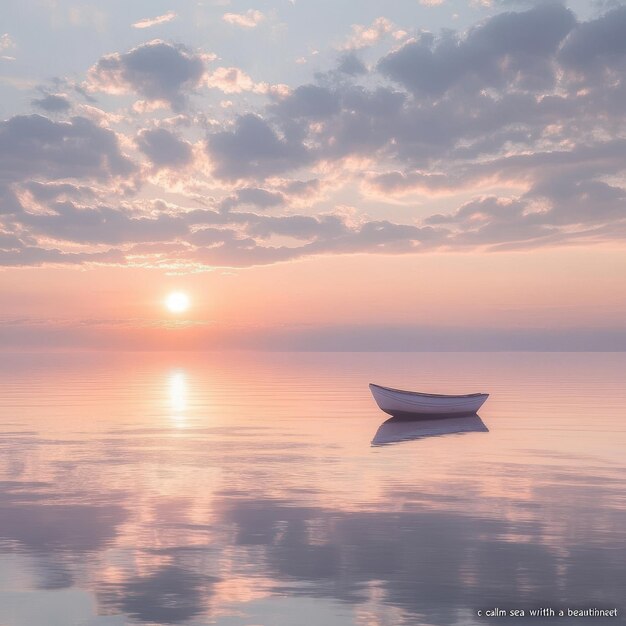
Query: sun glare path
[(177, 302), (178, 396)]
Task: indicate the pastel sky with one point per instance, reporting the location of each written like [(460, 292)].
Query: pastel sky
[(431, 174)]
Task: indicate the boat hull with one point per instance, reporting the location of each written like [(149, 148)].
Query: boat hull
[(411, 404)]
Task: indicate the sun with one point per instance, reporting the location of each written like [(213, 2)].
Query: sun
[(177, 302)]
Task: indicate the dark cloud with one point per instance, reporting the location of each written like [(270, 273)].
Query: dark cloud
[(213, 236), (491, 220), (509, 48), (396, 182), (328, 235), (254, 149), (597, 45), (310, 102), (579, 202), (9, 241), (567, 210), (351, 64), (164, 148), (101, 225), (299, 188), (259, 197), (488, 207), (383, 237), (151, 248), (221, 238), (254, 196), (369, 121), (297, 226), (35, 147), (8, 201), (35, 256), (52, 103), (156, 71), (242, 253), (32, 146), (45, 192)]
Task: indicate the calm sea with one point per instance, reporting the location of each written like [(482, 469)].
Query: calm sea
[(244, 490)]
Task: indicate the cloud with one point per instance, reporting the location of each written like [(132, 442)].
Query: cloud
[(33, 256), (366, 36), (101, 225), (362, 122), (351, 64), (164, 148), (597, 45), (253, 196), (562, 200), (323, 235), (9, 202), (52, 103), (309, 101), (253, 149), (156, 71), (45, 192), (554, 211), (214, 236), (155, 21), (399, 183), (511, 130), (500, 92), (188, 238), (35, 146), (6, 42), (297, 226), (9, 241), (250, 19), (233, 80), (301, 188), (507, 48)]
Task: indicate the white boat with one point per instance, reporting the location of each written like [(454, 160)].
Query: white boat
[(412, 403), (395, 430)]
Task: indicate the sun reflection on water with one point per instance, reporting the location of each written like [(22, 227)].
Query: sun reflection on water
[(178, 395)]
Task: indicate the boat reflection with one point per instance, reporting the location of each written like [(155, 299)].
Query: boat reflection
[(399, 429)]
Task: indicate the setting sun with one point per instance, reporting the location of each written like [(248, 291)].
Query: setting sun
[(177, 302)]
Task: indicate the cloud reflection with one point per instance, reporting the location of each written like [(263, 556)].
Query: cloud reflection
[(438, 565), (170, 595), (56, 535)]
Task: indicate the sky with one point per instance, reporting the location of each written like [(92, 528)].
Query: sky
[(420, 174)]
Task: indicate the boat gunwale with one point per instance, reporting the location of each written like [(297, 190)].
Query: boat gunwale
[(428, 395)]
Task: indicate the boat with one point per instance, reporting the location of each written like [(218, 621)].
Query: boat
[(395, 429), (411, 404)]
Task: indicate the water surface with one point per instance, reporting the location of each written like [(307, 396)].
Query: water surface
[(244, 490)]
